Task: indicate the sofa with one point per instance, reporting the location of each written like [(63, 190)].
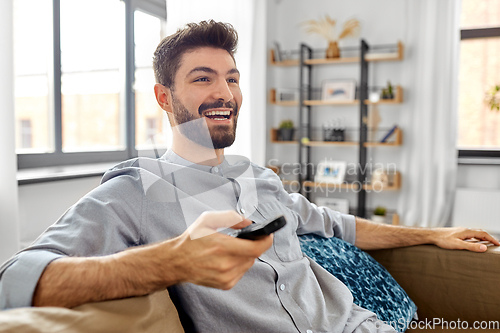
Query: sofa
[(446, 285)]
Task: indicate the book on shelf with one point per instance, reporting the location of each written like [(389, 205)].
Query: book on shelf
[(389, 134)]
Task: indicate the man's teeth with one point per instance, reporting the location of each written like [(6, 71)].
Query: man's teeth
[(217, 113)]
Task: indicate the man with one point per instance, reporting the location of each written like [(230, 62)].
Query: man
[(153, 224)]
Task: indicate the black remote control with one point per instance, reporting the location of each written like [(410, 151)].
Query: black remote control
[(256, 230)]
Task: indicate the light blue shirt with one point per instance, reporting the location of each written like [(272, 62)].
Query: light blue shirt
[(142, 201)]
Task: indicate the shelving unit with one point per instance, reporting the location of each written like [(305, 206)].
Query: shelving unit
[(306, 105)]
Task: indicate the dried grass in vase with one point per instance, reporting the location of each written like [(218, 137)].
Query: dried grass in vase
[(326, 28)]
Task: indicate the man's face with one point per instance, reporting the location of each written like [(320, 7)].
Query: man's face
[(206, 86)]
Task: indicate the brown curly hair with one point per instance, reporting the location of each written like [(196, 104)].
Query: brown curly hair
[(166, 60)]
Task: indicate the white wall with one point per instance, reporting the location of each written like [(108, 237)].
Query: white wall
[(478, 176), (8, 185), (476, 203), (40, 205)]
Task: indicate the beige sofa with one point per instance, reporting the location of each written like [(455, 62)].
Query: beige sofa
[(447, 285)]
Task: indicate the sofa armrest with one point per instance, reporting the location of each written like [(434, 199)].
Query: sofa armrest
[(149, 314), (447, 284)]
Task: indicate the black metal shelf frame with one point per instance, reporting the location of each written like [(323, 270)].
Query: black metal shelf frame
[(305, 129)]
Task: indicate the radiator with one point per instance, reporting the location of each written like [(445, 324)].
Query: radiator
[(477, 208)]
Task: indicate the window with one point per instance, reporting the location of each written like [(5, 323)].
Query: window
[(26, 137), (478, 124), (32, 67), (75, 67), (92, 60), (151, 121)]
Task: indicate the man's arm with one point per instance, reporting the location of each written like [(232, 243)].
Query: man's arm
[(200, 256), (373, 236)]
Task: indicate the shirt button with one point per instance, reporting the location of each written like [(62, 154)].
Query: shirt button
[(309, 331), (215, 169), (242, 211), (282, 287)]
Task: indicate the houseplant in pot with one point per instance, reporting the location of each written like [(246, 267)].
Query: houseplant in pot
[(379, 214), (286, 131)]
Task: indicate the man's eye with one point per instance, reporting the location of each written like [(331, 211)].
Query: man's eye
[(232, 81), (201, 79)]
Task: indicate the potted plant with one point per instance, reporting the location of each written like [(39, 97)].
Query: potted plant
[(388, 93), (286, 131), (379, 214), (493, 98), (326, 28)]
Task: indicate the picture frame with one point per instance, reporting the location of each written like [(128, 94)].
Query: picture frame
[(287, 95), (331, 172), (339, 205), (338, 90)]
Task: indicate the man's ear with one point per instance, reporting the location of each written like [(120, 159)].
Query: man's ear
[(163, 97)]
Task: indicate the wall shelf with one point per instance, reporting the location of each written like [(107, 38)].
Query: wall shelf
[(398, 141), (321, 103), (329, 185), (398, 99), (370, 57), (274, 137), (395, 186), (272, 100)]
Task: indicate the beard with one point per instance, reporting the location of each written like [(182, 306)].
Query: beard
[(195, 127)]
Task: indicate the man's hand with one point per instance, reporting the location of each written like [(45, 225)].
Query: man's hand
[(200, 255), (375, 236), (460, 239), (206, 257)]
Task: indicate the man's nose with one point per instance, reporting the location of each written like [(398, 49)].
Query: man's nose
[(222, 91)]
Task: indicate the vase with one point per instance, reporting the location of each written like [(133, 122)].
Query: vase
[(332, 51), (286, 134)]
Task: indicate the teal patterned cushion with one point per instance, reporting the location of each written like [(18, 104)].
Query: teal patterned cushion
[(371, 285)]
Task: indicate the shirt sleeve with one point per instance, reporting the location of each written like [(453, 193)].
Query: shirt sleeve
[(322, 221), (105, 221)]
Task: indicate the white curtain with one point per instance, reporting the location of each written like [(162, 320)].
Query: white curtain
[(9, 232), (248, 18), (429, 161)]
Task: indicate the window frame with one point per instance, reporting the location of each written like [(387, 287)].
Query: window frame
[(156, 8), (491, 32)]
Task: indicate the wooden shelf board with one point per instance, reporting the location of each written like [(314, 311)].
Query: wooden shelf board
[(382, 144), (324, 61), (288, 103), (343, 185), (377, 188), (330, 143), (284, 142), (321, 102), (350, 143), (286, 63)]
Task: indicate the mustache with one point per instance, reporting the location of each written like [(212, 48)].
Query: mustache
[(218, 104)]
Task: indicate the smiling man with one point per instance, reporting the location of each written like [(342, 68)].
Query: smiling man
[(152, 224)]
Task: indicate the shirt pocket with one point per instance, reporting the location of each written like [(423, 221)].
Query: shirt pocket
[(286, 243)]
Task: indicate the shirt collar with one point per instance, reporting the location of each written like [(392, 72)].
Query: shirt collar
[(172, 157)]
